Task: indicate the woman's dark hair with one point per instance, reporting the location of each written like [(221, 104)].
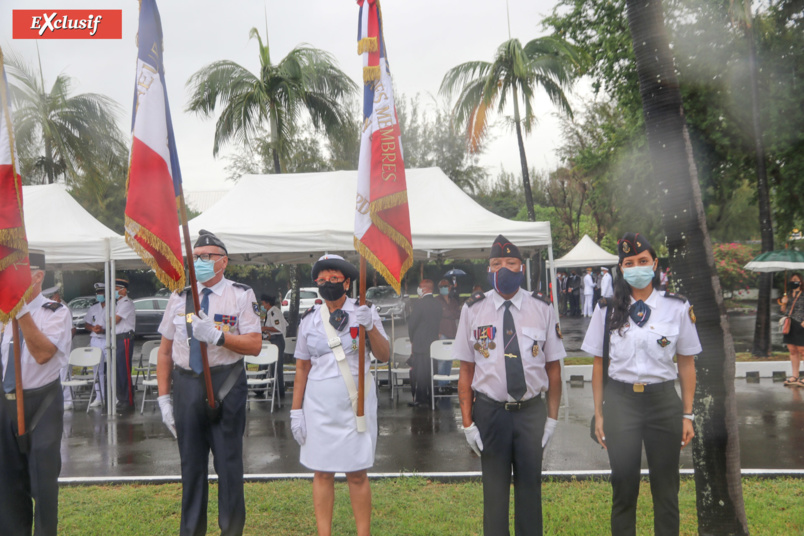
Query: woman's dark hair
[(621, 301), (796, 274)]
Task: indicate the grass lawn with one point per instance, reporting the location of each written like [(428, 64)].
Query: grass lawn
[(406, 506)]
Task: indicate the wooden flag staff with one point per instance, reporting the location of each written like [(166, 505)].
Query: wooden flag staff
[(18, 377), (361, 371), (188, 250)]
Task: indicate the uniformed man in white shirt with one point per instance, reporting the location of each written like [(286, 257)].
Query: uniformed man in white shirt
[(54, 294), (606, 284), (634, 391), (588, 293), (95, 323), (229, 324), (274, 329), (30, 465), (510, 349), (126, 318)]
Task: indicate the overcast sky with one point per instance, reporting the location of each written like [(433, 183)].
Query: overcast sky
[(424, 40)]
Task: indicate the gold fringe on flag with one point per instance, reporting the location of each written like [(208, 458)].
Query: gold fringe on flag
[(5, 318), (133, 231), (370, 74), (13, 238), (367, 44)]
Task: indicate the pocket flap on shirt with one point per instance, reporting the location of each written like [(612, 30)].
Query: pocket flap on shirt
[(534, 333), (661, 328)]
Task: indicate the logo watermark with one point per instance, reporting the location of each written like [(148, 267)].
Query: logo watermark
[(68, 24)]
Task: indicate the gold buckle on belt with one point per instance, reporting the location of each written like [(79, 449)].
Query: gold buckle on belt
[(639, 387)]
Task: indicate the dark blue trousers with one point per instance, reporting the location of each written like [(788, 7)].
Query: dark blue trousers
[(31, 478), (196, 437), (512, 440), (125, 351)]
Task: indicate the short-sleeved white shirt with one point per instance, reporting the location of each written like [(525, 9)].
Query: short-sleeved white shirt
[(96, 316), (645, 354), (232, 307), (606, 286), (536, 324), (275, 319), (127, 313), (57, 325), (312, 342)]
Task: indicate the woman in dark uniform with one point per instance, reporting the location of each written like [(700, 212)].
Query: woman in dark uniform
[(639, 404), (793, 306)]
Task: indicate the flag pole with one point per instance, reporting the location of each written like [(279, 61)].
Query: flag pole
[(18, 377), (361, 374), (188, 249)]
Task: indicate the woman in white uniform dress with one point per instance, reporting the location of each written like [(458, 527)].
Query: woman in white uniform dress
[(322, 416)]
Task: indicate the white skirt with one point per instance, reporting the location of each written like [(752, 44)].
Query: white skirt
[(333, 443)]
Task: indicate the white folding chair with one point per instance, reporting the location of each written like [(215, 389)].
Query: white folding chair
[(85, 357), (289, 367), (398, 368), (265, 379), (441, 350), (150, 382), (145, 353)]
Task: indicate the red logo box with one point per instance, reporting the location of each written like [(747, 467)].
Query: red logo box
[(68, 24)]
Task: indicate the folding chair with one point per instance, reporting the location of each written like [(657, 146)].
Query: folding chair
[(265, 378), (150, 381), (85, 357), (441, 350), (145, 354), (289, 367), (402, 349)]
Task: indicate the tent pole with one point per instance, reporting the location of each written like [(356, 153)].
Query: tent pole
[(112, 307), (554, 299), (527, 274)]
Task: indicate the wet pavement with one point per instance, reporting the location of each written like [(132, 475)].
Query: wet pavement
[(771, 422)]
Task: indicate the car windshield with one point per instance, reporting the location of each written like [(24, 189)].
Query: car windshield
[(81, 303), (305, 295), (379, 293)]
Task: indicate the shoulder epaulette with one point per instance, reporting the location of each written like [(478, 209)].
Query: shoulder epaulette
[(474, 298), (53, 306), (675, 296), (184, 291), (241, 286), (307, 312), (368, 304), (541, 296), (603, 302)]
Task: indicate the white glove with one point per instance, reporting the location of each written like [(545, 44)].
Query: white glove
[(24, 310), (549, 428), (473, 438), (298, 426), (166, 407), (204, 329), (363, 317)]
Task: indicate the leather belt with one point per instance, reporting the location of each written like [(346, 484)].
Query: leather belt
[(213, 370), (508, 406), (641, 387)]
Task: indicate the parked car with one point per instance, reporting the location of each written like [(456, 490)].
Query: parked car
[(163, 292), (388, 302), (79, 307), (308, 297), (149, 313)]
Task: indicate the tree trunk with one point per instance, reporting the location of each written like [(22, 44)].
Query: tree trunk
[(762, 328), (49, 165), (716, 447), (523, 159)]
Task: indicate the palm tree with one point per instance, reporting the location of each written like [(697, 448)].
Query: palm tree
[(716, 447), (307, 79), (59, 135), (516, 72)]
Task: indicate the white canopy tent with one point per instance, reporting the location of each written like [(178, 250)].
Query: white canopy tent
[(586, 253), (295, 218)]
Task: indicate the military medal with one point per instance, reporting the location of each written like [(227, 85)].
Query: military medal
[(484, 336), (492, 345), (354, 333), (535, 349)]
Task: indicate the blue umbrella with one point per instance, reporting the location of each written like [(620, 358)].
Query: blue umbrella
[(455, 272)]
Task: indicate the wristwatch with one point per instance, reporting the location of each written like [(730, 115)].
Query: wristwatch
[(690, 416), (221, 340)]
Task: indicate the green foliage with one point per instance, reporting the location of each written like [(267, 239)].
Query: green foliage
[(729, 261), (501, 195)]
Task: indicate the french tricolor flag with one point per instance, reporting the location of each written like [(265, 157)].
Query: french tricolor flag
[(154, 179)]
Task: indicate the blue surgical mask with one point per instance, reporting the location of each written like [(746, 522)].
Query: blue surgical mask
[(505, 281), (204, 270), (100, 297), (443, 290), (263, 309), (116, 295), (638, 276)]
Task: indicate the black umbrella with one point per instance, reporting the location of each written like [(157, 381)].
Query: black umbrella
[(454, 273)]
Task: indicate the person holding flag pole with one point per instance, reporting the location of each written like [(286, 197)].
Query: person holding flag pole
[(34, 348), (209, 401)]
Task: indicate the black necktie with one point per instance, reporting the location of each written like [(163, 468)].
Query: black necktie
[(10, 379), (196, 363), (514, 372), (639, 313)]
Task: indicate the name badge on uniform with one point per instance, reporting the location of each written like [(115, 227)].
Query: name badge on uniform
[(485, 339)]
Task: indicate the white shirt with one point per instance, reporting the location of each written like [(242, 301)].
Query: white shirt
[(58, 328), (275, 319), (232, 307), (606, 286), (128, 315), (96, 316), (536, 324), (588, 284), (312, 342), (637, 356)]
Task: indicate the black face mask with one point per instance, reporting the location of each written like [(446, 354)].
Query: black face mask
[(795, 284), (331, 291)]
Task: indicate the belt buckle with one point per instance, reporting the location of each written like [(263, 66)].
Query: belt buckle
[(512, 406), (334, 342), (639, 387)]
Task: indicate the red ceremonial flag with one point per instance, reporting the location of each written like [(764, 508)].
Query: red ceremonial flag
[(15, 271), (382, 221), (154, 179)]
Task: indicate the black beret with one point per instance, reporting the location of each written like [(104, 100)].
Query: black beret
[(335, 262), (503, 248), (205, 238), (632, 244), (36, 259)]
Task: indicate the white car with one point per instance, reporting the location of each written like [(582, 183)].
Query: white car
[(309, 296)]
